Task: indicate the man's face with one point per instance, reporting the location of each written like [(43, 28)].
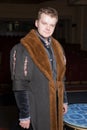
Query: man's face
[(46, 25)]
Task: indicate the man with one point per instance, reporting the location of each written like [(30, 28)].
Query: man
[(38, 67)]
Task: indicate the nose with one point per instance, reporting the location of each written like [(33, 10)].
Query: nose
[(48, 27)]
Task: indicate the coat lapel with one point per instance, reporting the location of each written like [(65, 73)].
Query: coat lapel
[(38, 53)]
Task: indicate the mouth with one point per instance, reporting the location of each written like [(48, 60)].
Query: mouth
[(47, 32)]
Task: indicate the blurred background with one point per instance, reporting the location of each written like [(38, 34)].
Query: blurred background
[(16, 19)]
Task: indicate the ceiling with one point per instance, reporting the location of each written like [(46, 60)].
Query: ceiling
[(77, 2), (70, 2), (23, 1)]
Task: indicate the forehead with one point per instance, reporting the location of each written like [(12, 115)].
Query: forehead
[(48, 18)]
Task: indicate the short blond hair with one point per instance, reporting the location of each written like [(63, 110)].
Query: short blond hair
[(49, 11)]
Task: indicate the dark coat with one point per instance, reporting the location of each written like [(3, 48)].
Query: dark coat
[(31, 71)]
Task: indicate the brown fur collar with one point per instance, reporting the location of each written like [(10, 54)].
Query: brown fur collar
[(40, 58), (39, 55)]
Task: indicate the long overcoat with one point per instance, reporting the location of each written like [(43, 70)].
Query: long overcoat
[(36, 71)]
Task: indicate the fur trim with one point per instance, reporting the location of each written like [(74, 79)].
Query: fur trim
[(40, 58)]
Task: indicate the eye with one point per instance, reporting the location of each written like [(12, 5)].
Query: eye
[(53, 25), (44, 23)]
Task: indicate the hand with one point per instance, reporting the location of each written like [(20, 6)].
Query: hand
[(25, 123), (65, 108)]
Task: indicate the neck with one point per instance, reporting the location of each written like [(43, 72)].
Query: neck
[(47, 40)]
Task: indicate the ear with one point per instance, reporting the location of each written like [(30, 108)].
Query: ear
[(36, 23)]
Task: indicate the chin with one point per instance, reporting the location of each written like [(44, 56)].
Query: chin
[(46, 36)]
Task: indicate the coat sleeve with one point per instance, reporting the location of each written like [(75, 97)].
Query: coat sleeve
[(65, 100), (21, 67), (21, 73), (22, 101), (65, 97)]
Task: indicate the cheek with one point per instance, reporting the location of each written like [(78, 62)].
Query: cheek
[(53, 29), (41, 28)]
